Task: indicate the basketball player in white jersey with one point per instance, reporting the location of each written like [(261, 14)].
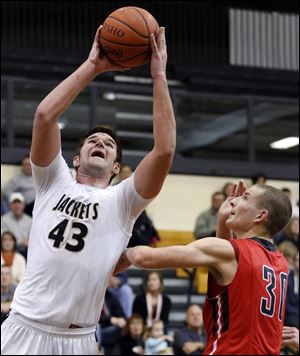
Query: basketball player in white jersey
[(82, 226)]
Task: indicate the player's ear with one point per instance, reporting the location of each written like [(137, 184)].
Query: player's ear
[(76, 161), (116, 168), (262, 216)]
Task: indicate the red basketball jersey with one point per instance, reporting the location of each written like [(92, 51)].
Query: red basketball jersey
[(246, 316)]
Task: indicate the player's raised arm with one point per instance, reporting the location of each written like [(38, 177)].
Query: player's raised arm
[(46, 140), (152, 171)]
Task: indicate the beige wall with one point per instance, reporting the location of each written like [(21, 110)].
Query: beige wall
[(182, 198)]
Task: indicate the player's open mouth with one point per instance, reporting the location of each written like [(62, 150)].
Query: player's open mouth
[(98, 154)]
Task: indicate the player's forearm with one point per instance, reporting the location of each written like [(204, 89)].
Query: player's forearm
[(62, 96), (164, 125)]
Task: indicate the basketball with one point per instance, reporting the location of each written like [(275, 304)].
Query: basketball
[(125, 36)]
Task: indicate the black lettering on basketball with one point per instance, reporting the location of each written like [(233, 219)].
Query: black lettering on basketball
[(114, 30), (117, 53)]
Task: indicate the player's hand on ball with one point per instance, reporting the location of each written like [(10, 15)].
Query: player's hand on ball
[(159, 54), (99, 60)]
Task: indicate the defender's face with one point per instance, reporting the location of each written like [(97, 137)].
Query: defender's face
[(98, 153), (244, 211)]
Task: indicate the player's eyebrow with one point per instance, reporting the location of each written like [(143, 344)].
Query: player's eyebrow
[(108, 139)]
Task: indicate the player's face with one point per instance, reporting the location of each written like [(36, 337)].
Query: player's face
[(98, 154), (244, 213)]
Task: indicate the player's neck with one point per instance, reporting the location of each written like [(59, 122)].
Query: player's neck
[(254, 233), (97, 182)]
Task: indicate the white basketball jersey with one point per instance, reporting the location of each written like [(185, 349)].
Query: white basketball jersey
[(77, 236)]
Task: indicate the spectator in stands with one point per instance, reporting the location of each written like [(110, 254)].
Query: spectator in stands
[(156, 341), (227, 189), (289, 233), (132, 342), (7, 291), (207, 221), (153, 304), (289, 251), (295, 206), (22, 183), (292, 296), (17, 222), (191, 340), (290, 339), (144, 232), (111, 323), (122, 291), (4, 205), (10, 257), (259, 178)]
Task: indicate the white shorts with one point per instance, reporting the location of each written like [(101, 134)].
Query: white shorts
[(21, 336)]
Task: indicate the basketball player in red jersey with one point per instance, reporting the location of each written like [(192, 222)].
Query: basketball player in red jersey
[(245, 304)]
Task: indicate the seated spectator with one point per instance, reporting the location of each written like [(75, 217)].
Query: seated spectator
[(153, 304), (11, 258), (122, 291), (17, 222), (292, 296), (144, 232), (7, 291), (22, 183), (156, 341), (132, 342), (227, 189), (111, 323), (206, 222), (289, 233), (290, 340), (289, 250), (295, 206), (4, 205), (259, 178), (191, 340)]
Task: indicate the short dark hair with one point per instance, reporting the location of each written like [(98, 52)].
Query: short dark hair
[(278, 206), (109, 131)]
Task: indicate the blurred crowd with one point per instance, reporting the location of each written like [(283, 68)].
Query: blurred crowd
[(137, 324)]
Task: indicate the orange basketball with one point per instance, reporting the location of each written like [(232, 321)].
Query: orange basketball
[(125, 36)]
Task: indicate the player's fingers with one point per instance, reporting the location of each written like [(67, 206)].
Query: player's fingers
[(233, 191), (97, 35), (153, 44), (161, 38), (240, 188)]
